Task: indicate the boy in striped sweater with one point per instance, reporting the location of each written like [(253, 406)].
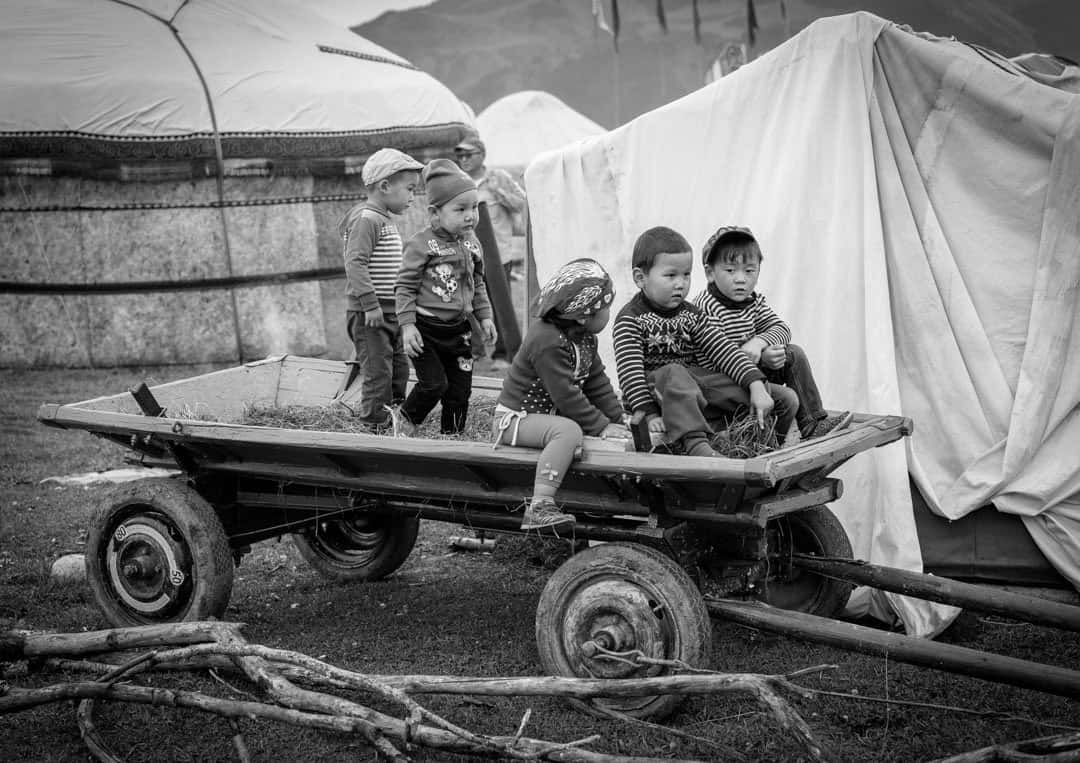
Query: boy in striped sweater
[(666, 348), (732, 259), (372, 259)]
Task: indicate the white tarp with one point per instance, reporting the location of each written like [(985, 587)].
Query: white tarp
[(116, 69), (518, 127), (917, 203)]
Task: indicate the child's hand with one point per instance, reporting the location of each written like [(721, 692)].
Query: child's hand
[(616, 432), (753, 347), (411, 340), (373, 318), (488, 327), (656, 424), (761, 402), (774, 357)]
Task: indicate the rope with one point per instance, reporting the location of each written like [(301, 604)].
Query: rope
[(215, 204), (366, 57), (140, 287)]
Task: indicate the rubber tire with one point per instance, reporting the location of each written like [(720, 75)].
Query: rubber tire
[(323, 545), (666, 587), (817, 532), (195, 526)]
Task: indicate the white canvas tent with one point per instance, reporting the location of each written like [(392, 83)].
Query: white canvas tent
[(172, 142), (518, 127), (916, 199)]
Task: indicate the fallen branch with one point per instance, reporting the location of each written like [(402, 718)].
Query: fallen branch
[(213, 645), (1062, 748)]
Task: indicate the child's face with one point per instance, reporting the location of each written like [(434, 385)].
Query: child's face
[(399, 190), (457, 215), (598, 321), (667, 282), (735, 279)]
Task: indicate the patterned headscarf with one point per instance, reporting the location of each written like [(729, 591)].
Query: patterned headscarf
[(579, 289)]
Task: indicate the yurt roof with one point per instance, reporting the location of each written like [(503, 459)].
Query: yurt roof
[(519, 126), (104, 80)]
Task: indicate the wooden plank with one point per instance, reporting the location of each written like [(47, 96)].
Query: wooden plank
[(932, 588), (649, 465), (895, 646)]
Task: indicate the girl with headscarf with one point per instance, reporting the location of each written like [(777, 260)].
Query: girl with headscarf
[(556, 389)]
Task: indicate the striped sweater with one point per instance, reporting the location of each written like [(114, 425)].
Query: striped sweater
[(647, 337), (372, 257), (744, 320)]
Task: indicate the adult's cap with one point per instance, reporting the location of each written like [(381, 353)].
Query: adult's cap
[(726, 233), (384, 163), (471, 142)]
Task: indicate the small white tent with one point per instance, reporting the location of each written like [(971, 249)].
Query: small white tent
[(172, 173), (916, 199), (518, 127)]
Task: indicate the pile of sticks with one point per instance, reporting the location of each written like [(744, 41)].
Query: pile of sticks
[(298, 691)]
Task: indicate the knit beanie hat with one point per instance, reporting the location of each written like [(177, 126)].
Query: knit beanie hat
[(579, 289), (444, 180)]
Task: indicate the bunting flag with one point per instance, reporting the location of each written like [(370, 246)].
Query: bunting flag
[(697, 22), (615, 23), (751, 22), (599, 22), (660, 16)]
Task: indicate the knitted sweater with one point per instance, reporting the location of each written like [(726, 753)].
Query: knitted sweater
[(744, 320), (553, 371), (372, 256), (647, 337), (441, 277)]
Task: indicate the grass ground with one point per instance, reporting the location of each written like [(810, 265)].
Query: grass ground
[(463, 613)]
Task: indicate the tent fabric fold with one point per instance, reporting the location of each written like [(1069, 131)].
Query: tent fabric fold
[(916, 204)]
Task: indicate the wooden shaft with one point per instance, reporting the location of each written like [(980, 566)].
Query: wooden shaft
[(896, 646), (979, 598)]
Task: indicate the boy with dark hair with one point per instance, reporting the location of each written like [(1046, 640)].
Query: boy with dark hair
[(732, 259), (372, 249), (662, 343)]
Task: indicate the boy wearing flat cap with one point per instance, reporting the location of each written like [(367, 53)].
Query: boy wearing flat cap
[(732, 259), (372, 259), (440, 285)]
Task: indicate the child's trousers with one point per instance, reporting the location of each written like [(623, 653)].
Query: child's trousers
[(557, 436), (384, 367), (443, 374), (797, 375), (691, 396)]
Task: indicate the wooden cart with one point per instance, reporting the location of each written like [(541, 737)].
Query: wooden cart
[(676, 527)]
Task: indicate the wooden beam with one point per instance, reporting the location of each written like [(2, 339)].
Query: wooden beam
[(932, 588), (896, 646)]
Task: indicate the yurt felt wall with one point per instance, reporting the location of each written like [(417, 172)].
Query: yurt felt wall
[(149, 145), (175, 245)]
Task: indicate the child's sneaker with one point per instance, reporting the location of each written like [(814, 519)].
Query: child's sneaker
[(399, 424), (544, 513), (698, 445), (834, 423)]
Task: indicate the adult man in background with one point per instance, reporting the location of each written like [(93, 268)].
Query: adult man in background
[(504, 197)]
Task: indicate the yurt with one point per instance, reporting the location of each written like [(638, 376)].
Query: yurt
[(172, 173), (916, 202), (518, 127)]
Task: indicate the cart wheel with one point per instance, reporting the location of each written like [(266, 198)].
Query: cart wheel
[(815, 531), (156, 553), (621, 597), (358, 548)]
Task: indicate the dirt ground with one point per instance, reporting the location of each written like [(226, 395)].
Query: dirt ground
[(455, 613)]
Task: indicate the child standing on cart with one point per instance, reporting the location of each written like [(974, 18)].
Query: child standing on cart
[(732, 259), (675, 365), (556, 389), (372, 248), (440, 284)]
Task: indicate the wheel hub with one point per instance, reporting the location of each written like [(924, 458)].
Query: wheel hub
[(613, 615), (146, 565)]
